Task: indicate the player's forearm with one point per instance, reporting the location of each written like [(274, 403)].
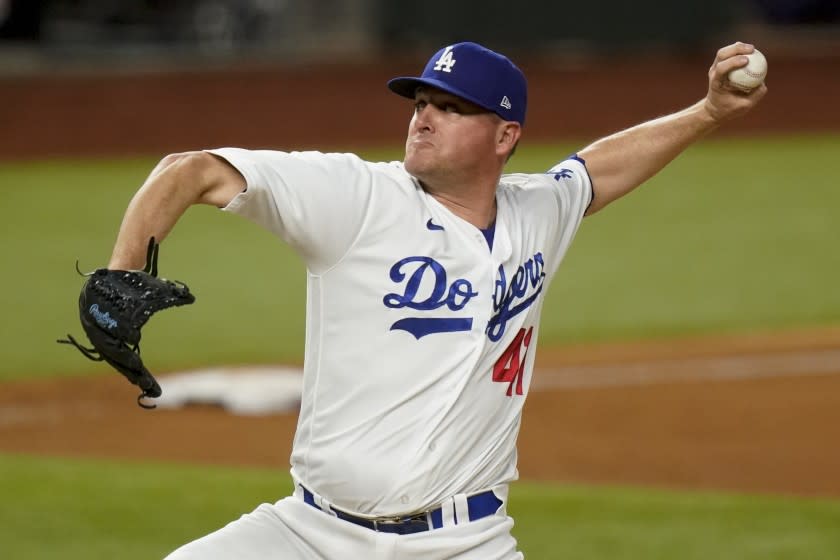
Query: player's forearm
[(152, 212), (620, 162), (175, 184)]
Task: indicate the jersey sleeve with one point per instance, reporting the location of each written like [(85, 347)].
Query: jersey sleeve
[(315, 202), (575, 184), (573, 192)]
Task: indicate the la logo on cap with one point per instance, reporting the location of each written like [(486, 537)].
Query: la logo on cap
[(445, 62)]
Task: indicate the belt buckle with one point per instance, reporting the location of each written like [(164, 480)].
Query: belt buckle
[(388, 521), (400, 521)]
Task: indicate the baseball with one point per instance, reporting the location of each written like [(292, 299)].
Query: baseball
[(752, 75)]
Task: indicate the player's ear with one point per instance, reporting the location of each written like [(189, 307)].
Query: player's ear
[(507, 137)]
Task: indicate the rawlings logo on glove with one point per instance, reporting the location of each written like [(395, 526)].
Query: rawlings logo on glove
[(113, 307)]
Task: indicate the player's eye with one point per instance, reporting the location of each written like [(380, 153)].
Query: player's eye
[(451, 108), (419, 106)]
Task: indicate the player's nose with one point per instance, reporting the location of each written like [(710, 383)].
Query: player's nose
[(424, 118)]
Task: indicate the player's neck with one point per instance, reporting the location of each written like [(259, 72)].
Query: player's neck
[(477, 208)]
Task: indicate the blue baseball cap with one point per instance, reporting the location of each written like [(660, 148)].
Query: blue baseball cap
[(475, 73)]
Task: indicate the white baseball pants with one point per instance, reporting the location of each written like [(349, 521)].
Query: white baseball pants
[(291, 529)]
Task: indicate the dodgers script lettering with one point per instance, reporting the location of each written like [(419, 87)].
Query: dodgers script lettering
[(411, 273), (509, 299)]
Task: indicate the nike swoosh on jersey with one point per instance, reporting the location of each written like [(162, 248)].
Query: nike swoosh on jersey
[(433, 226)]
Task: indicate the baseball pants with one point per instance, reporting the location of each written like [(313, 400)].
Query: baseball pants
[(293, 529)]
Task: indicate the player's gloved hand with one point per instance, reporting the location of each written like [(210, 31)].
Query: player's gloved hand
[(113, 307)]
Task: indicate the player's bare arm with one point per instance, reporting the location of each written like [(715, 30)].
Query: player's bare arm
[(175, 184), (621, 162)]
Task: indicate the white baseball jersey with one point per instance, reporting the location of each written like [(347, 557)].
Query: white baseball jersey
[(420, 339)]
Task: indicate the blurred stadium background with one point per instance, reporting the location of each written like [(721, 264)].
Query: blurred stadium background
[(64, 31), (93, 77)]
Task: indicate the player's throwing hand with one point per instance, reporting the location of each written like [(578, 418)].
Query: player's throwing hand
[(723, 100)]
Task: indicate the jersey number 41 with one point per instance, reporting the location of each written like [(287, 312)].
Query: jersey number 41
[(510, 367)]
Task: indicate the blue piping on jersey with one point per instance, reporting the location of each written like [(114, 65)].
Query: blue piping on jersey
[(591, 184), (489, 234)]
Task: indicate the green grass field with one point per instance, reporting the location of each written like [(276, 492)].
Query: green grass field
[(736, 235), (85, 509)]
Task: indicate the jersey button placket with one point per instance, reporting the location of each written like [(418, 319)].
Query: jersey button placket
[(492, 272)]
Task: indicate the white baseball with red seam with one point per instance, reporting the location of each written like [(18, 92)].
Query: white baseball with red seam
[(749, 77)]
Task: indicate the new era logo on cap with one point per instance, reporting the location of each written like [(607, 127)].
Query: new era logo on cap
[(475, 73)]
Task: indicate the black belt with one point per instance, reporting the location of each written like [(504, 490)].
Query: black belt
[(479, 505)]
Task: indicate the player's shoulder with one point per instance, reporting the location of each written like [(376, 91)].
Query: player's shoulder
[(569, 172), (392, 169), (393, 174), (377, 171), (562, 186), (516, 182), (339, 159), (270, 157), (573, 168)]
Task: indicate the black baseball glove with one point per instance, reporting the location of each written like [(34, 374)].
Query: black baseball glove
[(113, 307)]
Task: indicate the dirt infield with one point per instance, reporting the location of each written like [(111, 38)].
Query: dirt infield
[(758, 414)]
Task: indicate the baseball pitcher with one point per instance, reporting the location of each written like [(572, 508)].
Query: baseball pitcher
[(425, 283)]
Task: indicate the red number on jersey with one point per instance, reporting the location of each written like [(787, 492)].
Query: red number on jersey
[(510, 367)]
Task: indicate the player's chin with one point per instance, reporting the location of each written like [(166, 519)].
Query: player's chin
[(416, 162)]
